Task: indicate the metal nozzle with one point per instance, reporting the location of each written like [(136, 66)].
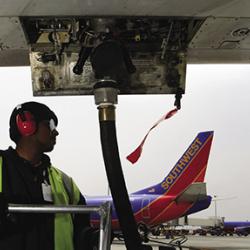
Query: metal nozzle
[(106, 112)]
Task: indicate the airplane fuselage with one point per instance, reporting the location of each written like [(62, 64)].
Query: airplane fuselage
[(150, 210)]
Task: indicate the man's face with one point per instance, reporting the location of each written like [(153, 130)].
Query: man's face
[(46, 135)]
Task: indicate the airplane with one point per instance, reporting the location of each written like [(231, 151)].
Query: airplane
[(57, 38), (180, 193), (70, 44), (217, 31), (239, 227)]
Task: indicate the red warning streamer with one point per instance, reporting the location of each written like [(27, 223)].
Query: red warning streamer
[(135, 155)]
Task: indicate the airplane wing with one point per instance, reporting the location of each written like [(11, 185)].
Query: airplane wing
[(160, 38), (217, 31)]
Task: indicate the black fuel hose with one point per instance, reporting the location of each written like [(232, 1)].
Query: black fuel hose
[(118, 187)]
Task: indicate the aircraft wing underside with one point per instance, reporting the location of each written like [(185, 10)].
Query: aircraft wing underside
[(158, 37), (218, 30)]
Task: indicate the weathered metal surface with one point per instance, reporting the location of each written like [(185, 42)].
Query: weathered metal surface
[(202, 8)]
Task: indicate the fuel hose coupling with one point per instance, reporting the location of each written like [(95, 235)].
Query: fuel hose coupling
[(106, 92)]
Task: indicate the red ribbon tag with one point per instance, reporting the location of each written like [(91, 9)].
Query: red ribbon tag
[(135, 155)]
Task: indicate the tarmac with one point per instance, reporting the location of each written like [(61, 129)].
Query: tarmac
[(201, 243)]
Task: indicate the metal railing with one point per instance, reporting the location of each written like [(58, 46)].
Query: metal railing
[(103, 210)]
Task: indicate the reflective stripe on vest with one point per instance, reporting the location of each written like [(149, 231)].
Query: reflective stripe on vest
[(63, 224)]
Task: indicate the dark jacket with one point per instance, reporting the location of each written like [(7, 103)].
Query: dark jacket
[(22, 184)]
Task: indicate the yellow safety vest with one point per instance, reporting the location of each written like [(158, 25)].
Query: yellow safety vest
[(64, 192)]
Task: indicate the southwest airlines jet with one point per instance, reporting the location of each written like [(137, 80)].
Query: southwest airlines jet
[(180, 193)]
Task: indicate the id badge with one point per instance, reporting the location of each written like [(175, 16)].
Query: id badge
[(47, 193)]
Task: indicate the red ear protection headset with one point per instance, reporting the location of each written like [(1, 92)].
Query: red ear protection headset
[(26, 123)]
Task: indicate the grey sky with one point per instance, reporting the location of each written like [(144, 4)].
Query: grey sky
[(217, 98)]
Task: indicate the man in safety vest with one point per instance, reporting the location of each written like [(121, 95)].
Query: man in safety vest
[(27, 177)]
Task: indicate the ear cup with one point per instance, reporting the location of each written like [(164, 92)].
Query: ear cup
[(26, 124)]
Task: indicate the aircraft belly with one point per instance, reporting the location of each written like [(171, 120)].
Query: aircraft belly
[(125, 7), (221, 39), (171, 212)]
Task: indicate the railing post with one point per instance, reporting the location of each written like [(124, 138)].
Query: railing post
[(105, 226)]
